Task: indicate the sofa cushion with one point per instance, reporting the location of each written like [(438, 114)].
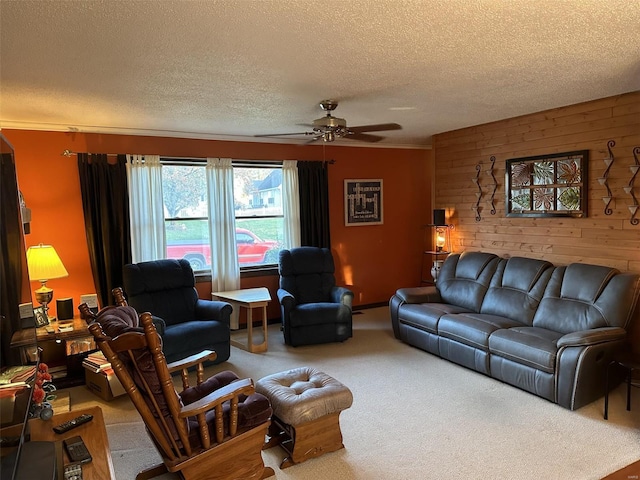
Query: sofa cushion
[(531, 346), (582, 297), (425, 316), (517, 288), (473, 329), (464, 278)]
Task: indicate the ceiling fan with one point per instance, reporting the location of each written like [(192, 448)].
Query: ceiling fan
[(328, 128)]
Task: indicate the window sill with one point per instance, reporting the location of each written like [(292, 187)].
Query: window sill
[(248, 272)]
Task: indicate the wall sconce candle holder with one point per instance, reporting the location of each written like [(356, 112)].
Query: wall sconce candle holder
[(476, 180), (604, 179), (629, 189), (495, 184)]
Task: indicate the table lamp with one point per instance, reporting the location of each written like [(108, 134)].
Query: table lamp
[(44, 264)]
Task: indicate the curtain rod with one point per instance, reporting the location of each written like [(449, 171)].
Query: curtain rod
[(68, 153)]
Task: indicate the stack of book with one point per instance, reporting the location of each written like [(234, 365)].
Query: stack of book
[(13, 380), (97, 362), (100, 377), (18, 374)]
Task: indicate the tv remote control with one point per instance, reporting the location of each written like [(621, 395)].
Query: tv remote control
[(77, 450), (73, 423), (73, 471)]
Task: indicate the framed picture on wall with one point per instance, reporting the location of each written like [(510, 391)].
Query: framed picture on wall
[(553, 185), (363, 202)]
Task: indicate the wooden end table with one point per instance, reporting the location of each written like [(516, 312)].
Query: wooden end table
[(94, 436), (249, 298)]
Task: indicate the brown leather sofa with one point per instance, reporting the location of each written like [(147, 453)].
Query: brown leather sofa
[(548, 330)]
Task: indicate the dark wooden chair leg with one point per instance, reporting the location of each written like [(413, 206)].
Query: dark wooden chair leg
[(606, 391), (629, 372)]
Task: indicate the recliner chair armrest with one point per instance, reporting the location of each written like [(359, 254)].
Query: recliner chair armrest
[(213, 310), (287, 300), (419, 294), (342, 295), (160, 324), (592, 337)]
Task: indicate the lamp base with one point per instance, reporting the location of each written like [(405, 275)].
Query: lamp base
[(44, 295)]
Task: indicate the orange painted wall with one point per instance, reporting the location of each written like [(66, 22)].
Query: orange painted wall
[(372, 260)]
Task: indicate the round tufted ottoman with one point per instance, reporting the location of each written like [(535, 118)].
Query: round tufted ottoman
[(306, 408)]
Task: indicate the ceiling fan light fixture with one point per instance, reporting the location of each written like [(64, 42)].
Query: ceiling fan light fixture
[(330, 128)]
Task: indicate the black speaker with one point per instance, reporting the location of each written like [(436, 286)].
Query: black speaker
[(439, 217), (64, 307)]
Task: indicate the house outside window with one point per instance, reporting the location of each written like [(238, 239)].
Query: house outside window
[(258, 213)]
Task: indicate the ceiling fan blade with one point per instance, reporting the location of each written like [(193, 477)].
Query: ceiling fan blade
[(365, 137), (314, 139), (284, 134), (376, 128)]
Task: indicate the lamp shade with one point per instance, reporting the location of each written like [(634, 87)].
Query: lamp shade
[(44, 263)]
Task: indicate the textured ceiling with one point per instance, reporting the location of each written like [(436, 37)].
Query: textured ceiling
[(232, 69)]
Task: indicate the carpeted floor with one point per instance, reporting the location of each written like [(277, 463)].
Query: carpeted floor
[(416, 416)]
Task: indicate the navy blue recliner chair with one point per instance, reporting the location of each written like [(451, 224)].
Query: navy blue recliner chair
[(314, 310), (186, 323)]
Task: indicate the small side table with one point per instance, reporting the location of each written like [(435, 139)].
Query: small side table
[(249, 298), (629, 362)]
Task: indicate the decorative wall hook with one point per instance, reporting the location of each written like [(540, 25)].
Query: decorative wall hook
[(629, 188), (604, 179), (495, 184), (476, 208)]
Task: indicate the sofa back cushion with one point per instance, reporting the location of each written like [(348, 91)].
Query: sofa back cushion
[(165, 288), (582, 297), (465, 277), (516, 288)]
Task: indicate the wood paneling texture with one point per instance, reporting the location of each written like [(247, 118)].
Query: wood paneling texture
[(599, 239)]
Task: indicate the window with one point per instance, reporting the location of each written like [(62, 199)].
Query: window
[(258, 212)]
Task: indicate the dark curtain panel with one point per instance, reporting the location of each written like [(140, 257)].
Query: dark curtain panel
[(105, 201), (12, 252), (313, 183)]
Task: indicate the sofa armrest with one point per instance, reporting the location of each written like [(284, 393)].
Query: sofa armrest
[(592, 337), (419, 294), (342, 295), (213, 310)]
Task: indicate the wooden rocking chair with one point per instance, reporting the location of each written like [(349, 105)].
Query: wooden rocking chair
[(213, 430)]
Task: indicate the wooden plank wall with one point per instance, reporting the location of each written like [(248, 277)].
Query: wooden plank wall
[(597, 239)]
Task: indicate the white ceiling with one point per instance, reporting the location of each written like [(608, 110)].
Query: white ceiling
[(232, 69)]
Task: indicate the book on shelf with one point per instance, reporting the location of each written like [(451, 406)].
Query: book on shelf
[(17, 374), (9, 390)]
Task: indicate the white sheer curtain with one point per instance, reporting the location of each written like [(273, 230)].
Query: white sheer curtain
[(144, 177), (291, 204), (225, 271)]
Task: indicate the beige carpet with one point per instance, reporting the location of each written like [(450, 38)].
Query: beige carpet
[(416, 416)]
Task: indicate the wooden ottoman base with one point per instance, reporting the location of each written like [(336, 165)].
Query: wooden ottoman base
[(307, 440), (306, 407)]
